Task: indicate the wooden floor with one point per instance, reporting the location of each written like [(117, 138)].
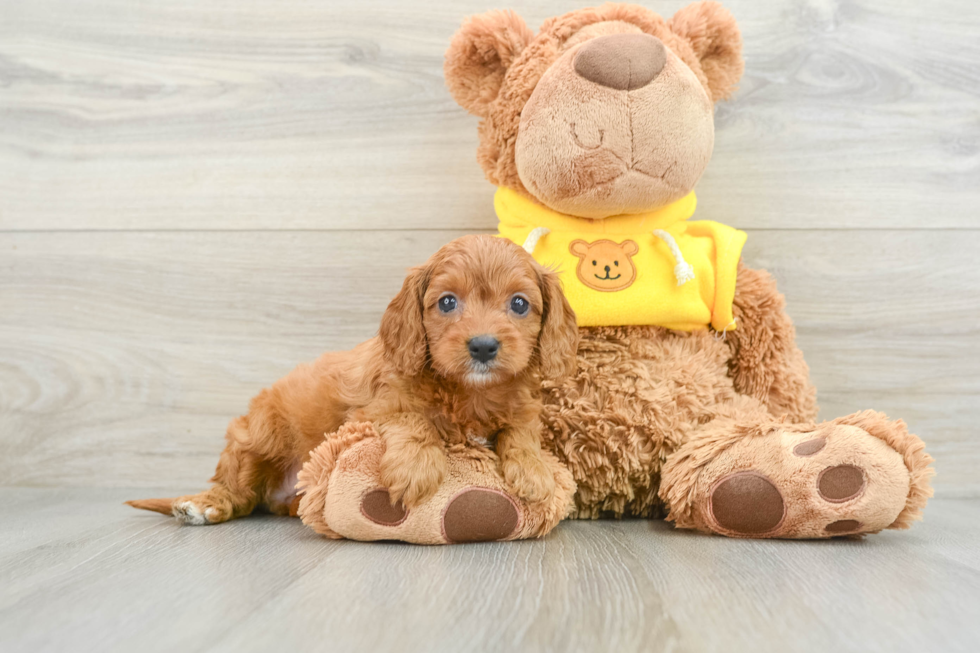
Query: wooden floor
[(197, 196), (80, 572)]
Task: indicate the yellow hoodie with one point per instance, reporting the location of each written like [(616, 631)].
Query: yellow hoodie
[(646, 269)]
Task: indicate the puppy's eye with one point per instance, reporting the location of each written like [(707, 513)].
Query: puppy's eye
[(519, 305), (593, 263), (447, 303), (616, 263)]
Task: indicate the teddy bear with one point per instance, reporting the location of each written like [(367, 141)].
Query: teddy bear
[(691, 399)]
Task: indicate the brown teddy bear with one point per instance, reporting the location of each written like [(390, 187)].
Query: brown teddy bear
[(691, 400)]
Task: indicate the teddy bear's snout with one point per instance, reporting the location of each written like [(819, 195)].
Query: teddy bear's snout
[(621, 61)]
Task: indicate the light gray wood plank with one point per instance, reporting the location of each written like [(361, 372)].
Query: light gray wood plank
[(124, 355), (878, 594), (241, 114), (135, 581), (80, 572)]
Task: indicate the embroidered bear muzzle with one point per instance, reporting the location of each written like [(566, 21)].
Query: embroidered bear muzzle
[(604, 264)]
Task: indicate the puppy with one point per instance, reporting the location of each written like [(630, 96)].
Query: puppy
[(460, 355)]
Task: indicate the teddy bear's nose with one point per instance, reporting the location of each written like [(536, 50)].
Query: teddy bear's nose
[(607, 269), (621, 61)]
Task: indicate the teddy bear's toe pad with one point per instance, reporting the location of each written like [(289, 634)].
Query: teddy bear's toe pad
[(833, 481), (376, 506), (840, 483), (810, 447), (843, 526), (747, 503), (480, 515)]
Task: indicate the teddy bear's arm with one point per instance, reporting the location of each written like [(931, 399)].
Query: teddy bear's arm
[(766, 363)]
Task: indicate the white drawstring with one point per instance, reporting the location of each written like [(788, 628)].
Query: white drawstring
[(723, 334), (683, 271), (532, 238)]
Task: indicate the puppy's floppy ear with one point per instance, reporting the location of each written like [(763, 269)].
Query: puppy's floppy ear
[(479, 56), (714, 35), (558, 339), (402, 331)]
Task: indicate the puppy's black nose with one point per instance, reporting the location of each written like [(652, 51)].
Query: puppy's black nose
[(483, 348), (607, 269)]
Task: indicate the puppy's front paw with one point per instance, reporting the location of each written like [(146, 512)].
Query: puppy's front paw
[(529, 477), (415, 477)]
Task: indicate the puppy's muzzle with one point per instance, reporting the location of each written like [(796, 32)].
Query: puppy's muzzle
[(483, 348)]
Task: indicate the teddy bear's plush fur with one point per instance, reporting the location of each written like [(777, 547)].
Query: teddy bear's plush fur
[(715, 431)]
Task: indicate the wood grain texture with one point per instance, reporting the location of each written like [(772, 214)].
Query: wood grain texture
[(80, 572), (249, 114), (124, 355), (196, 197)]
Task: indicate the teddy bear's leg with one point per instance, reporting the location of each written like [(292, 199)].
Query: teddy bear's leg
[(765, 362), (746, 475), (342, 496)]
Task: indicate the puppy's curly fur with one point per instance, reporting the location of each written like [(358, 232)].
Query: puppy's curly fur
[(417, 382)]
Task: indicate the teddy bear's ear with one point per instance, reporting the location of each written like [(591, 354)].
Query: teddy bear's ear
[(479, 55), (714, 35)]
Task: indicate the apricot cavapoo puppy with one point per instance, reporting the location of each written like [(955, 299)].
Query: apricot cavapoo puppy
[(460, 355)]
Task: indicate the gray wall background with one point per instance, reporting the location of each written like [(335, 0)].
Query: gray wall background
[(195, 197)]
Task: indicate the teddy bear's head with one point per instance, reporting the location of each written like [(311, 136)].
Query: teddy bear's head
[(606, 111)]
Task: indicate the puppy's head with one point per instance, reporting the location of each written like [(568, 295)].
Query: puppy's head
[(481, 311)]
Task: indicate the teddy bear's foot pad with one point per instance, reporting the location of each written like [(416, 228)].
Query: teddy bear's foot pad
[(480, 515), (747, 503), (798, 485), (473, 515), (836, 480), (343, 497)]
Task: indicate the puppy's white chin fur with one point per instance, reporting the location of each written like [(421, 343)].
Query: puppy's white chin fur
[(480, 374), (480, 378)]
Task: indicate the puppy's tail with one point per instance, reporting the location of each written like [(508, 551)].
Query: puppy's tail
[(162, 506)]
